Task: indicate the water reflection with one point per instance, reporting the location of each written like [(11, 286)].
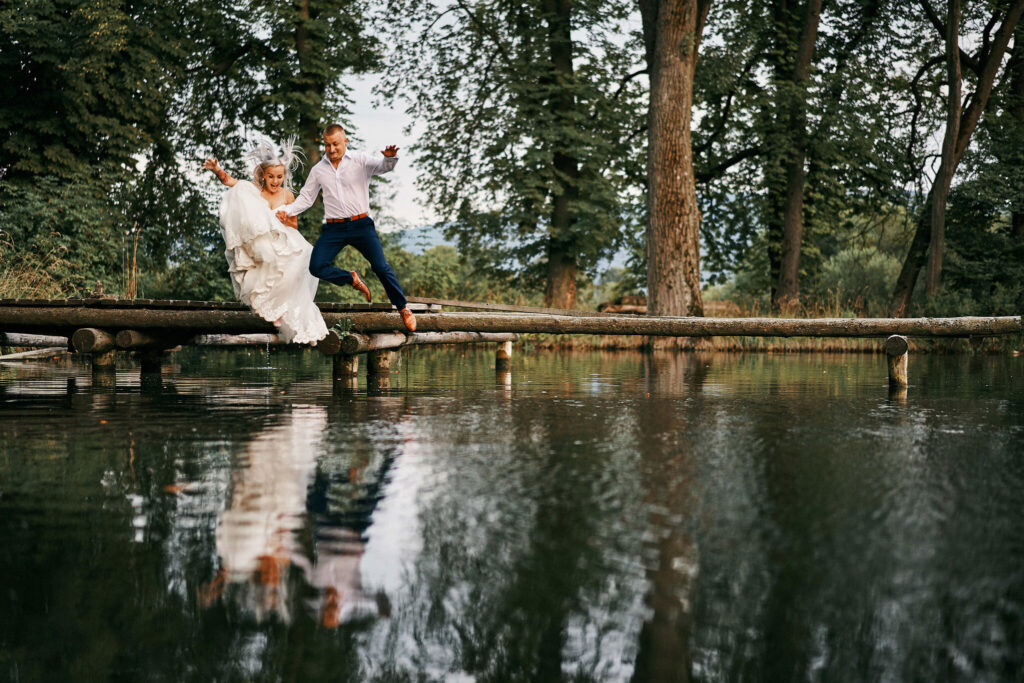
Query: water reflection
[(261, 531), (592, 517)]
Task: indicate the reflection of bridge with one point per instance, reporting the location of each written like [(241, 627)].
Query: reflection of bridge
[(103, 326)]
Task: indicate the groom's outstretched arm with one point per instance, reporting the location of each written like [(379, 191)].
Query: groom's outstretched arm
[(306, 196), (383, 161)]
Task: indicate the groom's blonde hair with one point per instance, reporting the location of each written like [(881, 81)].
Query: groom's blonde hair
[(332, 129)]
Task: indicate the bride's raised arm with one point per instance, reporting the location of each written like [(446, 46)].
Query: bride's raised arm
[(222, 175)]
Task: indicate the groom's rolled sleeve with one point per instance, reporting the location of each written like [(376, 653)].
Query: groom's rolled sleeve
[(378, 163), (306, 196)]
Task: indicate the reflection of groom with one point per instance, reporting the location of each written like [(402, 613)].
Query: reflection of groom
[(344, 178)]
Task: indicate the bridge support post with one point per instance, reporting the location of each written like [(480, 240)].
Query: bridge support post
[(150, 361), (345, 366), (503, 357), (896, 351), (104, 370), (379, 361)]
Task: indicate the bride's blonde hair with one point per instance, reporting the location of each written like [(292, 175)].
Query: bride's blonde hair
[(259, 174), (267, 155)]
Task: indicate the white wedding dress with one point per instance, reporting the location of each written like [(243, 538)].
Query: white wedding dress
[(269, 265)]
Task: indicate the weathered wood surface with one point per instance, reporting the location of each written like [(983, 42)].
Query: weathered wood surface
[(237, 340), (508, 308), (897, 357), (503, 357), (361, 343), (92, 340), (151, 339), (57, 318), (36, 353), (380, 361), (189, 304), (31, 340)]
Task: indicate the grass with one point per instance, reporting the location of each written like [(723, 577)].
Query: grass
[(29, 274)]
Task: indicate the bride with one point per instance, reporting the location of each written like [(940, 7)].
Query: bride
[(269, 260)]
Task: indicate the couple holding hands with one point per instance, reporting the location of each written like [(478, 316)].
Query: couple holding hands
[(274, 270)]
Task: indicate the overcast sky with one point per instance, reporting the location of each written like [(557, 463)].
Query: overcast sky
[(376, 128)]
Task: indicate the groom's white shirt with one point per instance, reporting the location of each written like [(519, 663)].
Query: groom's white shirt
[(346, 188)]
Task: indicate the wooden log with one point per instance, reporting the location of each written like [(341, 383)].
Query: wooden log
[(32, 340), (236, 340), (152, 339), (92, 340), (36, 353), (703, 327), (361, 343), (379, 362), (105, 362), (345, 366), (51, 319), (896, 348), (503, 357), (329, 345), (150, 361)]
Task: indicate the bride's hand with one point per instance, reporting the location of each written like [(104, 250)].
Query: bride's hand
[(211, 165)]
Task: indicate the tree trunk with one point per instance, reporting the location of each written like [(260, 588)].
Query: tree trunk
[(309, 128), (967, 122), (672, 31), (560, 291), (788, 289), (944, 176), (1015, 69)]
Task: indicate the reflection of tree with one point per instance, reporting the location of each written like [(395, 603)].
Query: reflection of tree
[(526, 571), (665, 438)]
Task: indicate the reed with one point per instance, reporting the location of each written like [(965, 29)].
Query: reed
[(31, 273), (130, 264)]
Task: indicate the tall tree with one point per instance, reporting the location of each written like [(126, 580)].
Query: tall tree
[(1015, 110), (961, 121), (796, 29), (527, 110), (672, 33)]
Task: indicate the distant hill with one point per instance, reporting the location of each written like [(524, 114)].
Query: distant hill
[(420, 239)]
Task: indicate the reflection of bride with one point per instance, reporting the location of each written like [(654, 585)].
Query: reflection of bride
[(257, 534), (268, 260)]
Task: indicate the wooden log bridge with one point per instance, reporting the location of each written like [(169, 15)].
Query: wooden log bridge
[(101, 325)]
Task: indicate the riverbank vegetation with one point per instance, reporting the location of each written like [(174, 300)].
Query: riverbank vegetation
[(812, 157)]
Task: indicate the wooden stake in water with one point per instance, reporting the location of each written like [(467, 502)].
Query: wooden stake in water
[(503, 357), (896, 348)]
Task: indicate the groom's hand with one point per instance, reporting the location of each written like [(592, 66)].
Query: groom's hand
[(282, 216), (389, 151)]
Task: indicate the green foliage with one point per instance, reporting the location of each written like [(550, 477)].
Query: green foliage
[(509, 130), (859, 279)]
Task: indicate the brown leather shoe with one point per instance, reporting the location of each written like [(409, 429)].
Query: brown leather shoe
[(358, 283), (409, 319)]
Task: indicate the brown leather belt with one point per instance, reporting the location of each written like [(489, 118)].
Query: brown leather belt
[(346, 220)]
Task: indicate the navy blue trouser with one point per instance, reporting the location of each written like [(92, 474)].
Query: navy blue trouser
[(362, 235)]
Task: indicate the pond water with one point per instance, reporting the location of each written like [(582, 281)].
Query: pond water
[(587, 517)]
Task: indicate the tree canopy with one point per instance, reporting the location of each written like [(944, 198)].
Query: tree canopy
[(816, 141)]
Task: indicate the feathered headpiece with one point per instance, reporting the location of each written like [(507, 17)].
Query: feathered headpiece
[(286, 154)]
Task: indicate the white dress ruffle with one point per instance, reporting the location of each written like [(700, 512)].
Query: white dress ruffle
[(269, 265)]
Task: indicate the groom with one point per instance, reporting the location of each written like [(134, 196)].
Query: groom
[(344, 178)]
